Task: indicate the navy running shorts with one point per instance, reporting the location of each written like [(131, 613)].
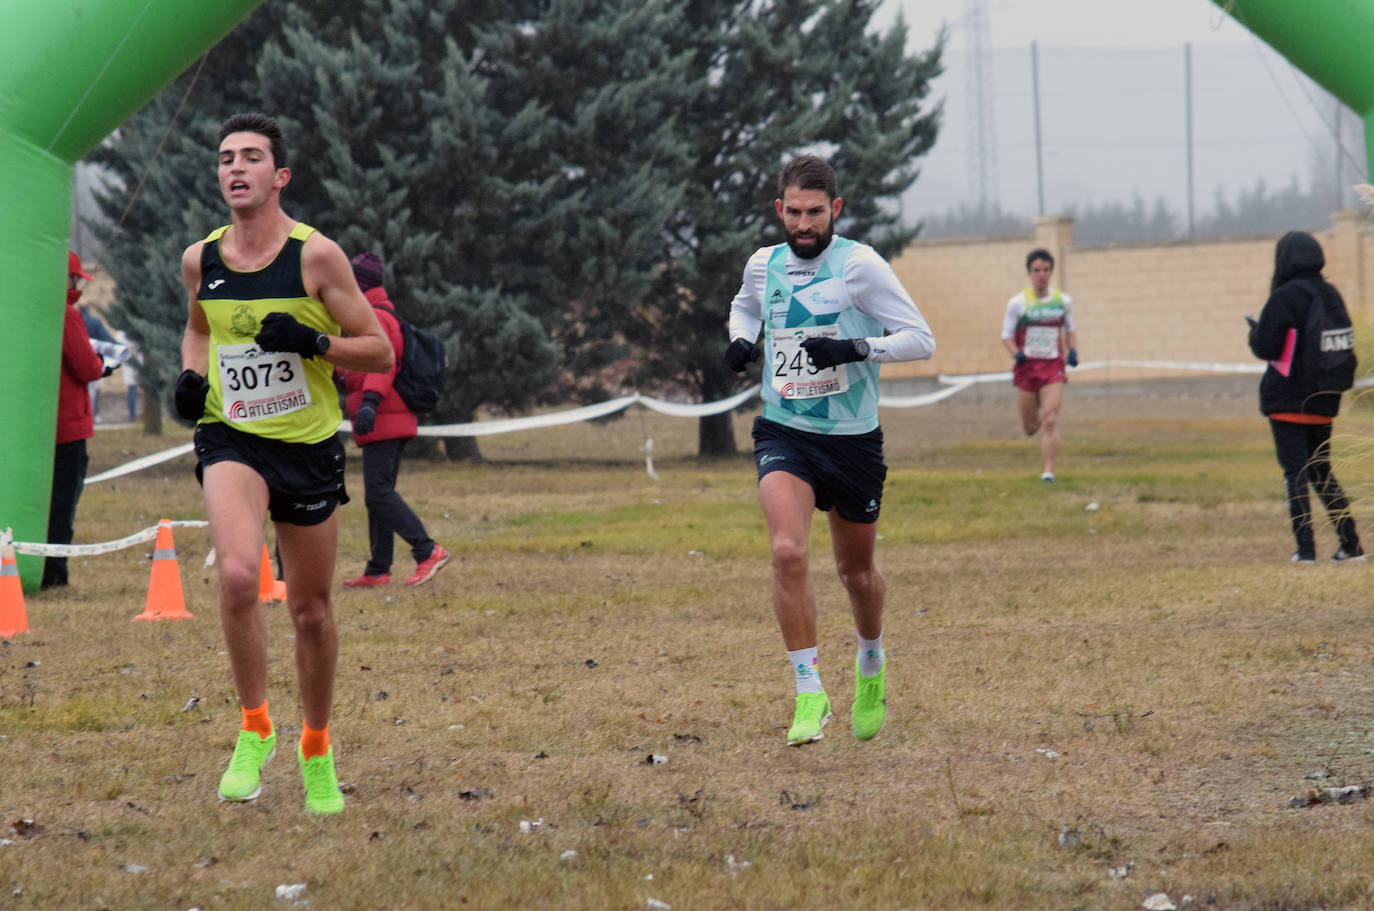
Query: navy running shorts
[(845, 471), (305, 481)]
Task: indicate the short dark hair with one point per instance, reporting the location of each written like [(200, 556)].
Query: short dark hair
[(261, 124), (808, 172), (1039, 253)]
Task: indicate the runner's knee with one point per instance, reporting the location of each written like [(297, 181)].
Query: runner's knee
[(238, 581), (789, 558), (856, 577), (311, 617)]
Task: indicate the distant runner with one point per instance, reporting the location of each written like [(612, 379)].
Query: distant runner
[(1037, 324)]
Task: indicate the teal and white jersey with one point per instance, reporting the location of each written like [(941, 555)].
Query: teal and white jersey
[(847, 292)]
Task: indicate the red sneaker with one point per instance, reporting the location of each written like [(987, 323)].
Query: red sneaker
[(366, 581), (437, 559)]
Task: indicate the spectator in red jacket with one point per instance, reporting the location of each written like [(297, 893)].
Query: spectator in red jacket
[(75, 425), (382, 425)]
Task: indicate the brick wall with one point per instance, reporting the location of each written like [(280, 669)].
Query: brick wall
[(1176, 302)]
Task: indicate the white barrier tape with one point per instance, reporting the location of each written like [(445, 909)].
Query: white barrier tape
[(486, 428), (1204, 366), (964, 380), (147, 461), (586, 413), (930, 398), (535, 422), (673, 409), (1004, 376), (91, 550), (956, 383)]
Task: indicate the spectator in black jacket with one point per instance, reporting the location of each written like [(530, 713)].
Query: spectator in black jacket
[(1299, 416)]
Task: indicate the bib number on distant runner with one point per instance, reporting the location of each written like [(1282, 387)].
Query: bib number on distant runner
[(256, 384), (1042, 341), (793, 374)]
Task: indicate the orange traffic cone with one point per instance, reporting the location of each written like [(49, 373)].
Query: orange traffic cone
[(12, 617), (270, 588), (166, 601)]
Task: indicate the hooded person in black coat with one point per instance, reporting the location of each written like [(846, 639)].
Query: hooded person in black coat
[(1299, 416)]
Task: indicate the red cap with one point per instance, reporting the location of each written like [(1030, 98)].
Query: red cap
[(74, 265)]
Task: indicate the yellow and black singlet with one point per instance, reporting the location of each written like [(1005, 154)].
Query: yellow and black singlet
[(282, 396)]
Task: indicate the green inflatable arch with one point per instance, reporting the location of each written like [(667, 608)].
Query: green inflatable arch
[(70, 72)]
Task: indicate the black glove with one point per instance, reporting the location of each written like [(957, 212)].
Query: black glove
[(366, 418), (1020, 358), (1073, 357), (282, 332), (741, 354), (188, 397), (830, 352), (110, 368)]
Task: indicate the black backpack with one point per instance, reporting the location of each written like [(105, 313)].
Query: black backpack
[(1328, 342), (420, 381)]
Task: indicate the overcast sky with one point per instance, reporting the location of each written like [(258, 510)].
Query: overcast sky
[(1113, 95), (1101, 23)]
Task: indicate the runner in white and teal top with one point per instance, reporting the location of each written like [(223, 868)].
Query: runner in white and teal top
[(830, 310)]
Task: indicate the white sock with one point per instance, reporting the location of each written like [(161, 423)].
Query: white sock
[(806, 667), (870, 656)]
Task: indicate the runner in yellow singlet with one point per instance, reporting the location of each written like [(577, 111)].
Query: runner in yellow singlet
[(268, 302)]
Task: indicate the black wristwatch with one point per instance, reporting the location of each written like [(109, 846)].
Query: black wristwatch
[(322, 343), (861, 348)]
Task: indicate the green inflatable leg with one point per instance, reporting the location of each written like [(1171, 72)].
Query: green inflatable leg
[(70, 72)]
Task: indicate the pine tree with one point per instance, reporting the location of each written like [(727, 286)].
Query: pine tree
[(512, 163), (512, 174), (556, 185), (605, 76), (770, 80)]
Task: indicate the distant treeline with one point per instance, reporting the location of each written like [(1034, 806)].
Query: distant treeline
[(1258, 210)]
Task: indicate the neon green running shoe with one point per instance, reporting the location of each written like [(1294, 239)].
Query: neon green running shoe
[(322, 794), (869, 711), (243, 779), (813, 713)]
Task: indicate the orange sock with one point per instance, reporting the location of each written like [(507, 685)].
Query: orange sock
[(256, 720), (314, 743)]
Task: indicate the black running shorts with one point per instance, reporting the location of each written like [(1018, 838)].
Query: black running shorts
[(305, 481), (845, 471)]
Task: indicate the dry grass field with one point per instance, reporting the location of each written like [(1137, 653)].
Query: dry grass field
[(1087, 706)]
